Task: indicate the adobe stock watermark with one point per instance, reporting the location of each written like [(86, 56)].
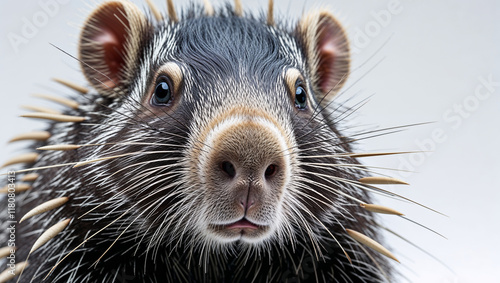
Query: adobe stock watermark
[(362, 37), (11, 222), (454, 116), (31, 25)]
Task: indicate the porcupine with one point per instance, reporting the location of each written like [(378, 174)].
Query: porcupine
[(204, 149)]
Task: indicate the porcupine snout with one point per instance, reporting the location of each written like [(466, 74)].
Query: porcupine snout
[(246, 171)]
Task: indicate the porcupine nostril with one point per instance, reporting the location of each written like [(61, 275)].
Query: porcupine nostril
[(228, 168), (271, 171)]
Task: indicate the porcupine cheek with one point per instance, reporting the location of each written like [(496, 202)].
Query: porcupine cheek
[(245, 171)]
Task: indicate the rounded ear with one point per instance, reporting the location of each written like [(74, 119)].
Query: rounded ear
[(327, 51), (109, 45)]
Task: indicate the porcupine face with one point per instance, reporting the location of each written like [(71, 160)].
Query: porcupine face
[(235, 98)]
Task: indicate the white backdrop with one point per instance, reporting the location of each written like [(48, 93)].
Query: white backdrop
[(440, 63)]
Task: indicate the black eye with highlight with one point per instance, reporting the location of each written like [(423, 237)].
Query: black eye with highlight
[(162, 94), (300, 97)]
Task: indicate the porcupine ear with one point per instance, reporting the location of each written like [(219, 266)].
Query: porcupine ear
[(109, 45), (327, 49)]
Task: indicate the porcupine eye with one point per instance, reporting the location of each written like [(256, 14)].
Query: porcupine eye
[(162, 94), (300, 98)]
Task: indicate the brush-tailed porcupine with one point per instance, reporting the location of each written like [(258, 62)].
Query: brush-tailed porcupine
[(204, 149)]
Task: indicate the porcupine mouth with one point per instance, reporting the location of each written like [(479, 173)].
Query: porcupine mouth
[(243, 230)]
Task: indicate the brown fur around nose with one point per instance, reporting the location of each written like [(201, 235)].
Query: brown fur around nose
[(251, 148)]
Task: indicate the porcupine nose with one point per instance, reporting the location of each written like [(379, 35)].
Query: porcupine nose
[(249, 163), (253, 177)]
